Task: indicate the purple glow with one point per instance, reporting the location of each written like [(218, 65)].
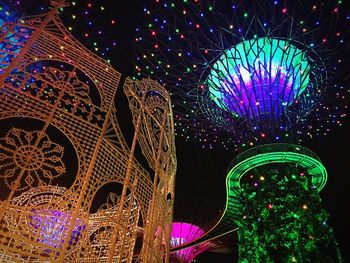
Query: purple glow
[(183, 233), (259, 77), (51, 226), (255, 100)]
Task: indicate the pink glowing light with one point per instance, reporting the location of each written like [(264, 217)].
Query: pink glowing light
[(183, 233)]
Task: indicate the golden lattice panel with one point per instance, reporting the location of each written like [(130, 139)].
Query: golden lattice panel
[(63, 157)]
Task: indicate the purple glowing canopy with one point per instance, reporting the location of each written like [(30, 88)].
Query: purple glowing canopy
[(182, 233), (260, 76)]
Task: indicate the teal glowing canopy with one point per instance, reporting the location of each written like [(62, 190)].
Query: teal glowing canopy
[(257, 77)]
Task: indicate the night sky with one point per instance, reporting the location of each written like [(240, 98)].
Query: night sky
[(201, 172)]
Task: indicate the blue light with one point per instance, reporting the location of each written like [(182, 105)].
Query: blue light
[(11, 41)]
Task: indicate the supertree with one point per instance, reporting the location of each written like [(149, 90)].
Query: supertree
[(193, 217), (262, 74), (181, 233)]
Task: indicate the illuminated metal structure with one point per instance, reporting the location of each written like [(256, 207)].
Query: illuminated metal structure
[(250, 74), (61, 144)]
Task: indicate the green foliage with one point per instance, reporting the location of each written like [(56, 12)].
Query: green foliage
[(282, 218)]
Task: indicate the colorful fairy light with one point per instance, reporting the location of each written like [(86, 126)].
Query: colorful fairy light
[(238, 112), (13, 42), (269, 74)]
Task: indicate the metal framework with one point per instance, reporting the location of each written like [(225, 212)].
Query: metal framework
[(61, 144)]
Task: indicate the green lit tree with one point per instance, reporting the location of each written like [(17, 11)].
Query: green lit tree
[(282, 218)]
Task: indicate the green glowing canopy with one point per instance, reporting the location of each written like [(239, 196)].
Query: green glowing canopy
[(267, 154), (261, 71)]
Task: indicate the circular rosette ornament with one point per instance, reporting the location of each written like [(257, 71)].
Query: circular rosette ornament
[(29, 158), (67, 81)]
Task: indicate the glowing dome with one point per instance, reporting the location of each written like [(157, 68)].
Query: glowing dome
[(182, 233), (260, 76)]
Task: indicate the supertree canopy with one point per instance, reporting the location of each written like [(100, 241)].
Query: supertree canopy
[(273, 193), (258, 77), (181, 233), (193, 217), (268, 73), (247, 71)]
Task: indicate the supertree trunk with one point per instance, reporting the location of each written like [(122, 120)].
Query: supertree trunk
[(283, 219)]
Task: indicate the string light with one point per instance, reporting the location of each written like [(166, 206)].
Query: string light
[(204, 47)]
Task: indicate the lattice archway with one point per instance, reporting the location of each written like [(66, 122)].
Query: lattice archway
[(58, 214)]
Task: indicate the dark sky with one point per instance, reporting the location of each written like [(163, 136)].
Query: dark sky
[(203, 172)]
